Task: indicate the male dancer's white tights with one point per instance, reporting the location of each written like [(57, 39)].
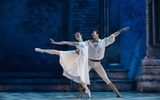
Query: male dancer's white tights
[(100, 70)]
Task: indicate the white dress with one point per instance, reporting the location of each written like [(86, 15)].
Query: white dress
[(75, 66)]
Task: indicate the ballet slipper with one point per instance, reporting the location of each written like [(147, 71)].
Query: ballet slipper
[(88, 93), (39, 50)]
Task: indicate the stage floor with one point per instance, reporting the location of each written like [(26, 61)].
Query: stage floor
[(72, 96)]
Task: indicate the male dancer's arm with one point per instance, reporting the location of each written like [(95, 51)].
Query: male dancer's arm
[(109, 40), (64, 43), (120, 31)]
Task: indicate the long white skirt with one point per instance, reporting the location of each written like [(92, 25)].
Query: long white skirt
[(75, 67)]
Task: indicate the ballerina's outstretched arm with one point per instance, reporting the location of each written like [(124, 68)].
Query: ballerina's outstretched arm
[(64, 43)]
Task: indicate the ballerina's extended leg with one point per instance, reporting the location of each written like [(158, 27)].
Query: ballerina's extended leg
[(55, 52)]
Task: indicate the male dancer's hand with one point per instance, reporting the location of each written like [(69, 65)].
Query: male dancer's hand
[(121, 30)]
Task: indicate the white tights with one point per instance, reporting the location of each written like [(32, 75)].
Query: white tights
[(55, 52), (100, 70)]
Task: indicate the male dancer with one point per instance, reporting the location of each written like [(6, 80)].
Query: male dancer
[(96, 54)]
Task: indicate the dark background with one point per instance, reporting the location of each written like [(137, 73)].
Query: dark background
[(26, 24)]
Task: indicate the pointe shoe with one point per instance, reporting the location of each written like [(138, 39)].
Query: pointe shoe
[(38, 50), (88, 93)]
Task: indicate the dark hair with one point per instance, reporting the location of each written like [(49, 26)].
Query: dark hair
[(96, 31), (77, 33)]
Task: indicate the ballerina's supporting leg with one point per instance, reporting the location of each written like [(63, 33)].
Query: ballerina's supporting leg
[(49, 51), (86, 89)]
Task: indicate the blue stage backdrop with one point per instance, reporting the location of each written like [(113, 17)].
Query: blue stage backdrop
[(133, 43), (26, 24)]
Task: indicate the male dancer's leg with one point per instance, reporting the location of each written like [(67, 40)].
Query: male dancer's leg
[(101, 72), (80, 91)]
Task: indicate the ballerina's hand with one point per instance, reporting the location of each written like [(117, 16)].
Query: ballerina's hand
[(52, 41)]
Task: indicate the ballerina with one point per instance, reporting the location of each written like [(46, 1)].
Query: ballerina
[(73, 62)]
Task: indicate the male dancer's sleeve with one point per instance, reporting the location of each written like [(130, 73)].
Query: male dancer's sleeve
[(109, 40)]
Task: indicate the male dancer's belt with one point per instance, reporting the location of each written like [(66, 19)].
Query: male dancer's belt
[(94, 60)]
